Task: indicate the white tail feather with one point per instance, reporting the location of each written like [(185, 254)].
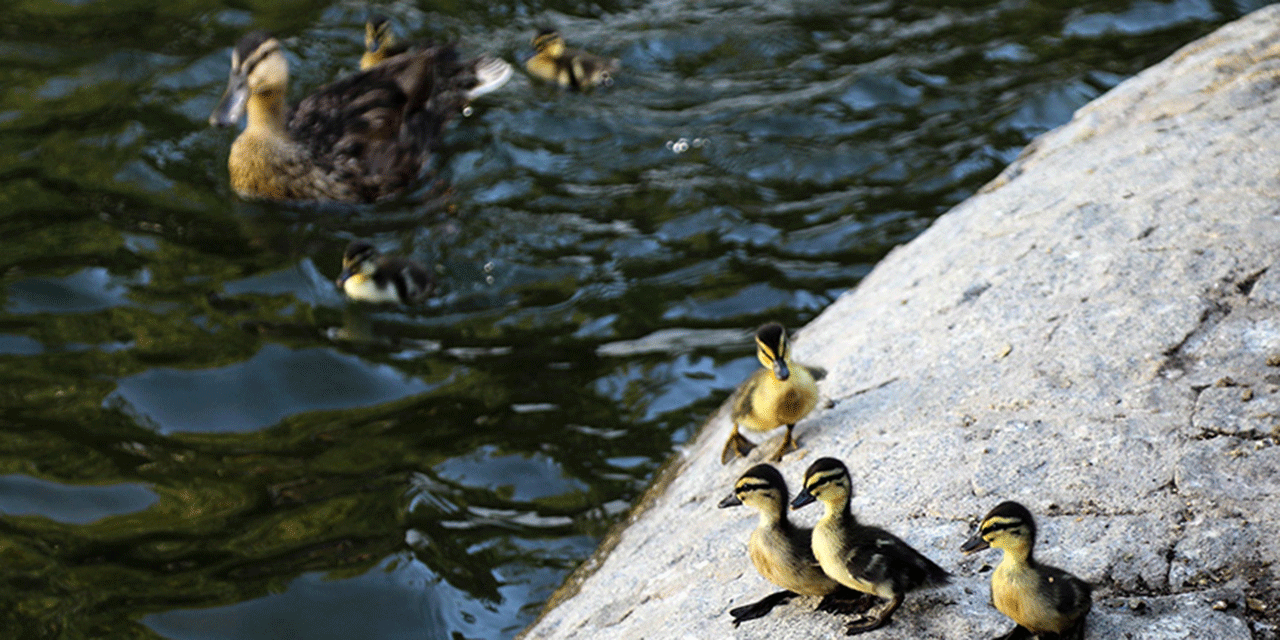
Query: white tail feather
[(491, 74)]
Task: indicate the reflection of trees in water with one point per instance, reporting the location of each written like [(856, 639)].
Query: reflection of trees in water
[(832, 134)]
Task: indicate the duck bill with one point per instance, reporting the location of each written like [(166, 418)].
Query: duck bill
[(976, 543), (780, 370), (802, 498), (730, 500), (231, 108)]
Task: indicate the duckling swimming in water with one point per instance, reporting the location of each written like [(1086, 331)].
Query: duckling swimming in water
[(1040, 599), (379, 42), (571, 68), (369, 276), (778, 395), (781, 551), (866, 559), (360, 139)]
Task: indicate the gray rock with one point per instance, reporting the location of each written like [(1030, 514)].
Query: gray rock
[(1093, 334)]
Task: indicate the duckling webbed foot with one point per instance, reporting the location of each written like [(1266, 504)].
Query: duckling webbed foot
[(788, 444), (846, 601), (874, 620), (1018, 632), (736, 446), (760, 608)]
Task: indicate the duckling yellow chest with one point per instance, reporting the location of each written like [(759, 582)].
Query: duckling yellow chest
[(362, 287), (777, 402), (779, 562), (1017, 592)]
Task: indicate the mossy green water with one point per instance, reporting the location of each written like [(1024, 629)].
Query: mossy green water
[(199, 439)]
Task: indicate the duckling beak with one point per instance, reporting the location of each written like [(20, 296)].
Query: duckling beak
[(342, 277), (976, 543), (780, 370), (231, 108), (802, 498), (730, 500)]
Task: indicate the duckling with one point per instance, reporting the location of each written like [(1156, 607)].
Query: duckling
[(363, 138), (571, 68), (867, 559), (379, 42), (369, 276), (778, 395), (781, 551), (1040, 599)]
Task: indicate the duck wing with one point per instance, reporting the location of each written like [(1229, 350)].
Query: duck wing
[(376, 129), (879, 556)]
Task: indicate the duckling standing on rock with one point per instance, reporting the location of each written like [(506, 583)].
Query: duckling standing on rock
[(369, 276), (778, 395), (1039, 598), (781, 551), (863, 558), (571, 68), (360, 139)]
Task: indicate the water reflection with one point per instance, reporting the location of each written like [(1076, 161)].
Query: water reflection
[(275, 383), (275, 460), (388, 601), (27, 496)]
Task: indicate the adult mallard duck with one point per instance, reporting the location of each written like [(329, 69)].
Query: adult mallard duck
[(779, 394), (1039, 598), (360, 139), (569, 68), (863, 558)]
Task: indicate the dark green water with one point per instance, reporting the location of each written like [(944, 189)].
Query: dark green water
[(190, 445)]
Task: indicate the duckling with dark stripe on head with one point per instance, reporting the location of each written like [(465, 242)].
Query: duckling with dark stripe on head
[(781, 551), (1043, 601), (569, 68), (863, 558), (379, 42), (369, 276), (779, 394)]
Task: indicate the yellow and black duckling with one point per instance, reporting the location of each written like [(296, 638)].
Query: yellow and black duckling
[(866, 559), (360, 139), (1041, 600), (781, 551), (778, 395), (369, 276), (379, 42), (569, 68)]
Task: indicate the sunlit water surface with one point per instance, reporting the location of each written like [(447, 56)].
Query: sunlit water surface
[(199, 439)]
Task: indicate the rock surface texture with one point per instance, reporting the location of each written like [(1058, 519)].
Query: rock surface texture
[(1095, 334)]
